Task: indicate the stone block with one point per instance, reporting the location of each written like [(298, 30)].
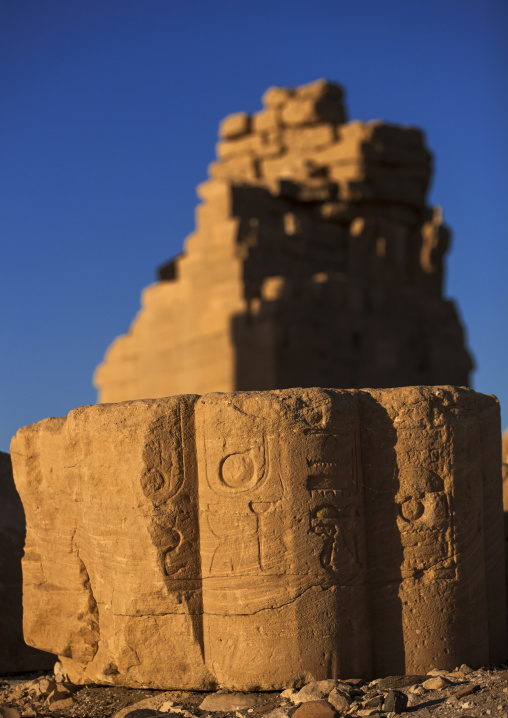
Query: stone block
[(275, 97), (266, 120), (239, 167), (308, 138), (260, 540), (235, 125), (307, 111), (250, 144), (319, 90), (15, 655)]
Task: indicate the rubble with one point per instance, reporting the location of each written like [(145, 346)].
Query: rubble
[(479, 693)]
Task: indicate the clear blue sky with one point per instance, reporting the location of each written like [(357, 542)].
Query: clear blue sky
[(108, 120)]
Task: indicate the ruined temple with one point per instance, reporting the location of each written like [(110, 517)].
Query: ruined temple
[(315, 262)]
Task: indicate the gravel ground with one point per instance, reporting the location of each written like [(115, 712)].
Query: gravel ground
[(463, 693)]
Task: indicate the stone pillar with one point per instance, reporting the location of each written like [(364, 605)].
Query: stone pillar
[(257, 540)]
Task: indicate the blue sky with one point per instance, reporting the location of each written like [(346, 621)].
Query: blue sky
[(109, 119)]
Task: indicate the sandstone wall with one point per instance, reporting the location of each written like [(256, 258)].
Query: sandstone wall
[(256, 540), (315, 262), (15, 655)]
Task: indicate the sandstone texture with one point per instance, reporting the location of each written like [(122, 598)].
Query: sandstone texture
[(316, 261), (504, 462), (262, 540), (15, 655)]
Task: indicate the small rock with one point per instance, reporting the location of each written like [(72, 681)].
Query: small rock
[(8, 712), (288, 693), (467, 691), (315, 691), (368, 712), (19, 691), (46, 686), (282, 712), (226, 702), (465, 669), (412, 700), (395, 701), (153, 704), (59, 694), (29, 713), (60, 675), (397, 682), (355, 681), (176, 710), (340, 700), (455, 674), (437, 672), (166, 706), (436, 683), (375, 701), (62, 704), (315, 709), (418, 690), (261, 710), (351, 690)]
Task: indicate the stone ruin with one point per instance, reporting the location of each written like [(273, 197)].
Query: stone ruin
[(258, 540), (316, 262), (15, 655), (504, 461)]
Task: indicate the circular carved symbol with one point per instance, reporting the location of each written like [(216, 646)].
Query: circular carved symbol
[(152, 481), (238, 471), (412, 509)]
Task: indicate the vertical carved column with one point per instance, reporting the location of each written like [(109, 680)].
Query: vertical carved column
[(282, 537), (425, 511)]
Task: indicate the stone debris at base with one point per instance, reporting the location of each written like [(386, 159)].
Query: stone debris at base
[(261, 540), (466, 693), (316, 261)]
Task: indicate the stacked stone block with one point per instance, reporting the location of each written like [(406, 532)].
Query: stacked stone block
[(315, 262)]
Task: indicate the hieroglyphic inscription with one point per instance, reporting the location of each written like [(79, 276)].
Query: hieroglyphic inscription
[(241, 470), (424, 523), (332, 482), (173, 525)]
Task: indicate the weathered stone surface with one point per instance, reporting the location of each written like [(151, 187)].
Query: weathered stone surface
[(15, 655), (258, 540), (436, 683), (335, 214), (395, 701), (235, 125), (225, 702), (340, 700), (315, 709), (315, 691)]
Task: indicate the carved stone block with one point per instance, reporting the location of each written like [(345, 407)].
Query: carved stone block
[(257, 540)]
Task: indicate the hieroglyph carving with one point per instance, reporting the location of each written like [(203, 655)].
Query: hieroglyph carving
[(265, 539)]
